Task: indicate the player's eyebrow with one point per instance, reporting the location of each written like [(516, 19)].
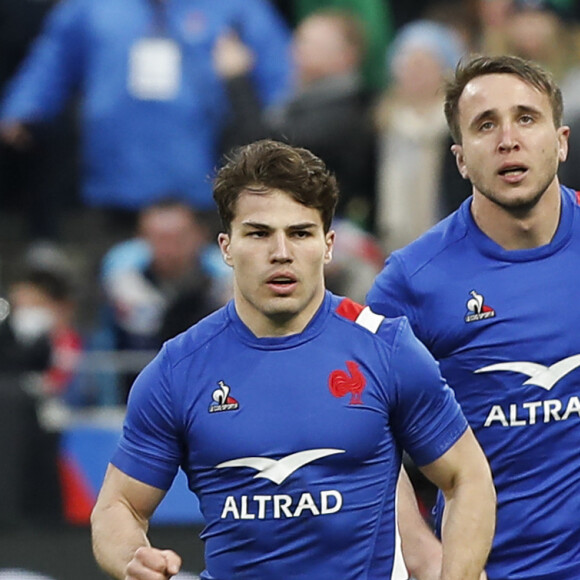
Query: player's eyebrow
[(487, 114), (302, 226), (528, 109), (292, 227), (256, 225)]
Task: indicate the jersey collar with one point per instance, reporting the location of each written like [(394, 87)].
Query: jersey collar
[(490, 248)]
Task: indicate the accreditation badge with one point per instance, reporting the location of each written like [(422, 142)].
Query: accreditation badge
[(154, 69)]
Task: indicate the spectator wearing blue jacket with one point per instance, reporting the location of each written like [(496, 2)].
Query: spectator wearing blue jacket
[(151, 105)]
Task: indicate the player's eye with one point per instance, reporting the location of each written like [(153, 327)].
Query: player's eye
[(257, 234)]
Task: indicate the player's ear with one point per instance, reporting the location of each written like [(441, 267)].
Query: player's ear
[(224, 244), (563, 135), (457, 151), (329, 240)]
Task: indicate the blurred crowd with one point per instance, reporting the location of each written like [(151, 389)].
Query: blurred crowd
[(114, 115)]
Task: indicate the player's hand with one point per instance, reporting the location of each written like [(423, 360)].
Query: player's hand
[(153, 564)]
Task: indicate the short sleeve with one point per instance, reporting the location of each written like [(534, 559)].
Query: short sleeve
[(149, 449), (426, 418)]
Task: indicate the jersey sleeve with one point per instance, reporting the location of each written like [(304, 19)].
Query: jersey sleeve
[(426, 418), (149, 449)]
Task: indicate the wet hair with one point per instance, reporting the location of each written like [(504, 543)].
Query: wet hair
[(265, 165), (478, 65)]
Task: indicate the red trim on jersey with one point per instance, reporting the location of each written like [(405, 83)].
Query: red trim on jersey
[(349, 309), (578, 197)]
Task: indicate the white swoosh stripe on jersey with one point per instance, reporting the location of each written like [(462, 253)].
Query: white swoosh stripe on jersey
[(278, 470), (540, 375), (369, 319)]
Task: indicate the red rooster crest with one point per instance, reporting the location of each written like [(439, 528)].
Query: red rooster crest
[(341, 383)]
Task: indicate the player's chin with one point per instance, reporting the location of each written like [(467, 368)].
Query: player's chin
[(283, 306)]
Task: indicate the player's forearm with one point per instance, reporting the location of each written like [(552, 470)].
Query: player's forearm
[(421, 549), (116, 535), (468, 528)]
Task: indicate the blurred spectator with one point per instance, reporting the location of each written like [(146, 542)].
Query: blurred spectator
[(151, 106), (328, 112), (43, 306), (460, 15), (377, 20), (493, 16), (20, 352), (20, 22), (40, 181), (417, 181), (158, 284), (538, 30), (38, 353)]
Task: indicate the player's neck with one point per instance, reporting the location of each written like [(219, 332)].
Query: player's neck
[(519, 228), (282, 322)]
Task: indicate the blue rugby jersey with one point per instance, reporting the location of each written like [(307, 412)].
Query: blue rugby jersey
[(292, 444), (504, 327)]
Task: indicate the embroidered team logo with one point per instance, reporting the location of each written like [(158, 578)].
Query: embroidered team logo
[(222, 401), (342, 383), (540, 375), (477, 309)]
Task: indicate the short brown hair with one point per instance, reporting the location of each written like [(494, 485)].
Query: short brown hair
[(478, 65), (269, 164)]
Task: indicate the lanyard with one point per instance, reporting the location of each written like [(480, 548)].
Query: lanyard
[(160, 26)]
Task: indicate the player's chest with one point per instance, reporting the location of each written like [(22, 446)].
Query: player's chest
[(511, 308), (511, 350), (276, 406)]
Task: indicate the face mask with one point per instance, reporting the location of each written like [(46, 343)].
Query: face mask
[(31, 322)]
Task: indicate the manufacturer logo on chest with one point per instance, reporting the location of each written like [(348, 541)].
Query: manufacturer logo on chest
[(222, 400), (477, 309)]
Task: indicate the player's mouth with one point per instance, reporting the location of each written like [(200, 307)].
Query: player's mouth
[(513, 173), (282, 283)]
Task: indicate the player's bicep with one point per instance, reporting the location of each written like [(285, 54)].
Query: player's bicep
[(463, 461), (121, 491)]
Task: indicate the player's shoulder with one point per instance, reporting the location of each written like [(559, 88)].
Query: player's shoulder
[(572, 195), (363, 320), (198, 337), (437, 242)]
